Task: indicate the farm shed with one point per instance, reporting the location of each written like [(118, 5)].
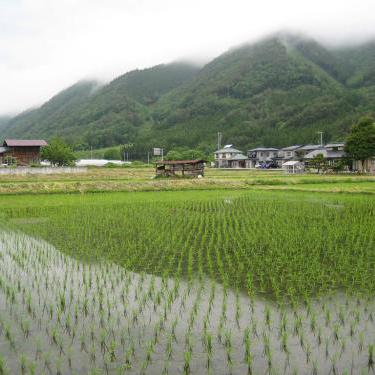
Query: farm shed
[(185, 168), (23, 152), (293, 166)]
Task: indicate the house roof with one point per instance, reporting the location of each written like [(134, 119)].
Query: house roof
[(335, 144), (263, 149), (25, 143), (310, 147), (168, 162), (228, 149), (238, 157), (327, 154), (291, 148)]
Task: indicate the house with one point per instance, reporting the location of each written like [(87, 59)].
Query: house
[(332, 152), (261, 156), (230, 157), (186, 168), (238, 161), (288, 153), (21, 152)]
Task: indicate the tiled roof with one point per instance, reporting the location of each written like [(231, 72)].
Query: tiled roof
[(238, 157), (195, 161), (326, 154), (335, 144), (291, 148), (263, 149), (228, 149), (25, 142), (310, 147)]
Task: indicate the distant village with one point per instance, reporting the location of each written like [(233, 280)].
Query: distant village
[(293, 159)]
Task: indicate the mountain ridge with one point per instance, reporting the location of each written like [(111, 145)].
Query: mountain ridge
[(279, 90)]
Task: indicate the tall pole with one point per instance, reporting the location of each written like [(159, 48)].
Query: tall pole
[(162, 154), (218, 140), (321, 137), (91, 152)]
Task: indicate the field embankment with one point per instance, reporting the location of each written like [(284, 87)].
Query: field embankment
[(141, 179)]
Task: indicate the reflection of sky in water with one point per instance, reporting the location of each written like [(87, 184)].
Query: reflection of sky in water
[(63, 313)]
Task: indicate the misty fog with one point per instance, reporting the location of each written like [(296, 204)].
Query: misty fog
[(47, 45)]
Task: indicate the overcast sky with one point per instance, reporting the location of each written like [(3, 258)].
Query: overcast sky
[(47, 45)]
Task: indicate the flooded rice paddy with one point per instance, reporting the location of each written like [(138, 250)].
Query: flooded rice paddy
[(61, 316)]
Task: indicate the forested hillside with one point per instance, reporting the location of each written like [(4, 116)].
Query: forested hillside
[(278, 91), (3, 121)]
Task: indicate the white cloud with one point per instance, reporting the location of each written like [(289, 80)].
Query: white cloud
[(46, 45)]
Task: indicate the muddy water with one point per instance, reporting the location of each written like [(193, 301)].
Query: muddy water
[(60, 316)]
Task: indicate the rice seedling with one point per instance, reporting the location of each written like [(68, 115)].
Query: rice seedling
[(370, 360), (220, 286), (3, 367), (187, 360)]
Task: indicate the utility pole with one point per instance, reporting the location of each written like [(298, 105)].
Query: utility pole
[(162, 154), (219, 140), (321, 137)]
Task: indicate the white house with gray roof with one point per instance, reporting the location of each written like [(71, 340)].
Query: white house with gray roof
[(230, 157)]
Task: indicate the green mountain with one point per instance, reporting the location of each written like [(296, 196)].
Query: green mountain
[(278, 91), (88, 114), (4, 121), (53, 116)]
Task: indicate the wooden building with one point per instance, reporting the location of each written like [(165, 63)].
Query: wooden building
[(21, 152), (184, 168)]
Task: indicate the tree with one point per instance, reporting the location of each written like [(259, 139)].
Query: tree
[(360, 144), (112, 154), (174, 155), (193, 154), (318, 162), (58, 153)]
